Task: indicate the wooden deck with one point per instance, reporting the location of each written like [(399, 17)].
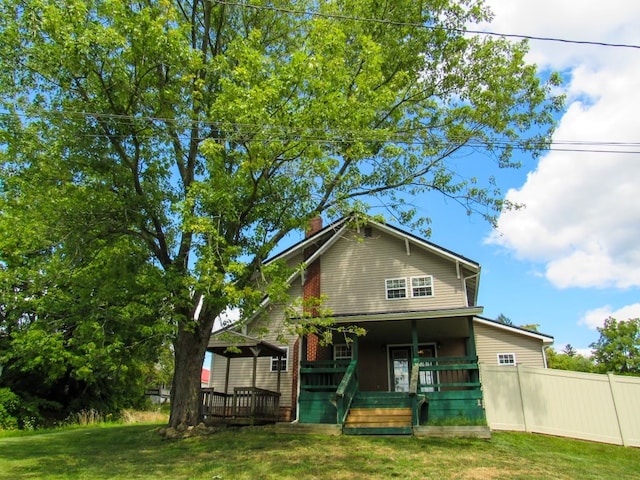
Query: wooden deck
[(245, 406)]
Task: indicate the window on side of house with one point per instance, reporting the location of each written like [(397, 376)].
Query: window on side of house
[(507, 359), (422, 286), (396, 288), (342, 351), (282, 363)]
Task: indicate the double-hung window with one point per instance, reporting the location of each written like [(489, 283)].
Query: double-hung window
[(422, 286), (396, 288), (281, 363), (342, 351)]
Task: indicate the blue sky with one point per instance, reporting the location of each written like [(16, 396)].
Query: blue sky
[(571, 258)]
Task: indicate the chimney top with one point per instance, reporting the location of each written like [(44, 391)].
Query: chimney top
[(315, 225)]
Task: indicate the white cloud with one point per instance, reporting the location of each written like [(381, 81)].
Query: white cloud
[(582, 215), (614, 21), (595, 318)]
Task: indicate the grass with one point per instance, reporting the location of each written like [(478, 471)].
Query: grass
[(137, 451)]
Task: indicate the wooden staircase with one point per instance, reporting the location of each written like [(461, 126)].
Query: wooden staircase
[(379, 413)]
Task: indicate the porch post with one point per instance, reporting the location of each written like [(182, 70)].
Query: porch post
[(279, 370), (414, 339), (226, 387), (471, 350), (471, 341), (226, 378), (256, 352), (303, 348), (354, 348)]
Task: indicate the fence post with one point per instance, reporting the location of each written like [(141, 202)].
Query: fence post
[(522, 405), (612, 387)]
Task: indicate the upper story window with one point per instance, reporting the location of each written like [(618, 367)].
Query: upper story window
[(422, 286), (506, 359), (282, 363), (342, 351), (396, 288)]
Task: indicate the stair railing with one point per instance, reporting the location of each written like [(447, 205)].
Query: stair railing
[(346, 392)]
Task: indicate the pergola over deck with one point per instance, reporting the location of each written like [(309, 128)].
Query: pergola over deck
[(245, 405)]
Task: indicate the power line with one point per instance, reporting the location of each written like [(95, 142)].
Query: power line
[(397, 23), (267, 133)]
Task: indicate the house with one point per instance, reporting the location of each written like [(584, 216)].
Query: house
[(205, 375), (417, 363)]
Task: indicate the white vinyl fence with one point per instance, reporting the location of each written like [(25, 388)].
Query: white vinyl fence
[(601, 408)]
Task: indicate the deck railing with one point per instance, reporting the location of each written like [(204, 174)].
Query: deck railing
[(244, 402), (215, 404), (255, 402)]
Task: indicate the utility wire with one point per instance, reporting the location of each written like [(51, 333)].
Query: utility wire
[(397, 23), (266, 133)]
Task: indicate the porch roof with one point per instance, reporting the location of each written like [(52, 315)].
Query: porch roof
[(232, 344), (408, 314)]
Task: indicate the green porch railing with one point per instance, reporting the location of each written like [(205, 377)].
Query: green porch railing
[(322, 375), (448, 373), (450, 387), (319, 382), (347, 391)]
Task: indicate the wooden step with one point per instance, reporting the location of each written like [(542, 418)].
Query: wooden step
[(378, 431), (373, 412), (378, 418)]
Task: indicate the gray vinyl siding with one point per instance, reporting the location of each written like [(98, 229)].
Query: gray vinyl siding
[(241, 369), (354, 271), (490, 341)]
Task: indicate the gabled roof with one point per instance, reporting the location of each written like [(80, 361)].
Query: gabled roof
[(237, 344), (546, 339), (324, 238), (331, 232)]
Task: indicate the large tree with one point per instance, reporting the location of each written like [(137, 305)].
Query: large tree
[(206, 131)]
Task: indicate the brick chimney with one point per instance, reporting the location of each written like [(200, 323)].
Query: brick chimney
[(315, 225), (312, 289)]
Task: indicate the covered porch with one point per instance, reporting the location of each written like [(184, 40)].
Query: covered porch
[(243, 405), (404, 373)]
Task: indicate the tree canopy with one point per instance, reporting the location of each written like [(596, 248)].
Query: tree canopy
[(618, 348), (568, 360), (154, 153)]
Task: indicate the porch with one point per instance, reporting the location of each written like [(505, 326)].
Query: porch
[(243, 405), (391, 386)]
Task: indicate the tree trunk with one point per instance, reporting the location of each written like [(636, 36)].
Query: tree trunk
[(190, 347)]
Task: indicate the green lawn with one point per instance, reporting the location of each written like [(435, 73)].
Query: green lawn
[(137, 451)]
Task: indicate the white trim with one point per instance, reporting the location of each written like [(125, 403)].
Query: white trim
[(411, 287), (506, 356), (338, 227), (285, 359), (349, 347), (387, 288), (408, 315), (544, 338)]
